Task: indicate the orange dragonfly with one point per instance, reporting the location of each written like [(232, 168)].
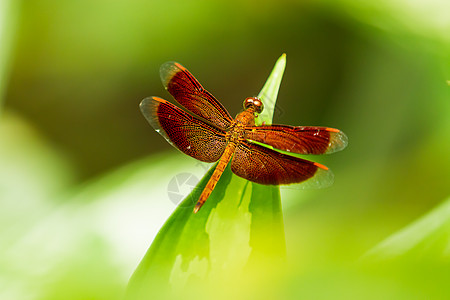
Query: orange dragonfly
[(207, 132)]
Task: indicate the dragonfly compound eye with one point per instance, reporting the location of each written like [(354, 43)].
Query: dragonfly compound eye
[(255, 103)]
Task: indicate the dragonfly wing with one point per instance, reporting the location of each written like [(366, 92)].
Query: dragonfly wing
[(299, 139), (187, 133), (266, 166), (183, 86)]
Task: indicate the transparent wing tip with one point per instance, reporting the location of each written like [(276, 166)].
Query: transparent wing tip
[(168, 70), (323, 178), (338, 141)]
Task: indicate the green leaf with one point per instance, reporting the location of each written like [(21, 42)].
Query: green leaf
[(269, 92), (237, 231)]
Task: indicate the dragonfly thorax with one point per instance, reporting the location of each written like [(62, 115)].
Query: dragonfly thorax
[(236, 133)]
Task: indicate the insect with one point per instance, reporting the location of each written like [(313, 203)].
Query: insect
[(207, 132)]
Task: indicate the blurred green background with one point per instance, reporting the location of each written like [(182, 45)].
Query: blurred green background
[(83, 177)]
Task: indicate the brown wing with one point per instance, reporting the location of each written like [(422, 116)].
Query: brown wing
[(265, 166), (301, 139), (185, 132), (190, 93)]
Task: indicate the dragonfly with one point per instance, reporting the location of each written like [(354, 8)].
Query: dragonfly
[(206, 131)]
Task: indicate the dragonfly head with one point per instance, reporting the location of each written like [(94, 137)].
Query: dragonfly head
[(254, 103)]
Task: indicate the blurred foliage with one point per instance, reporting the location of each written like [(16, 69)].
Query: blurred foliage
[(8, 20), (428, 235), (80, 204)]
